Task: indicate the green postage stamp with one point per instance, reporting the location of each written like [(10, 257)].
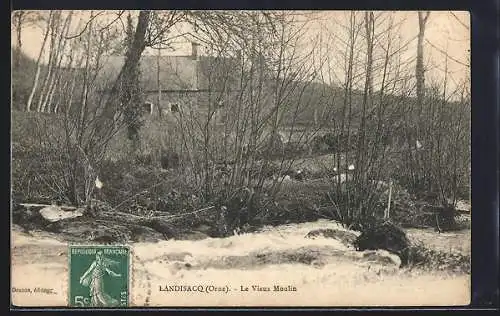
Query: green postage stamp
[(99, 276)]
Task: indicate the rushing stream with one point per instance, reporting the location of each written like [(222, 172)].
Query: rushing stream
[(276, 266)]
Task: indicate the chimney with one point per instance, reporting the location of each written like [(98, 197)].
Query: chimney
[(194, 50)]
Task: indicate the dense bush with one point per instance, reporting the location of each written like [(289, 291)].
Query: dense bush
[(378, 234), (333, 142), (38, 175), (419, 256)]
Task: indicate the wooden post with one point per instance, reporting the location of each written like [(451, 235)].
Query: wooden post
[(387, 212), (158, 82)]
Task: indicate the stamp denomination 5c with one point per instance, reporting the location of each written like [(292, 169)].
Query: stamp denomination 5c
[(99, 276)]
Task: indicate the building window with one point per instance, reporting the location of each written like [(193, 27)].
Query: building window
[(148, 107), (174, 107)]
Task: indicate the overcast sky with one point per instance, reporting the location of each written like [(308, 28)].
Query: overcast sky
[(447, 34)]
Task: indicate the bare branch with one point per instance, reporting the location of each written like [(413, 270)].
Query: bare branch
[(91, 19), (458, 20), (442, 51)]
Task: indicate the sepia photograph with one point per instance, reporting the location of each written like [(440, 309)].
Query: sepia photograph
[(240, 158)]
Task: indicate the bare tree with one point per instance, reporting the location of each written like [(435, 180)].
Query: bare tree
[(18, 18), (39, 63), (368, 123), (259, 83), (419, 69), (129, 78), (54, 26), (54, 80), (241, 136), (367, 94), (150, 30)]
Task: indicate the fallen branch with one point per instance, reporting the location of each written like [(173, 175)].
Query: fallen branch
[(69, 208), (137, 194), (169, 217), (127, 217), (124, 217)]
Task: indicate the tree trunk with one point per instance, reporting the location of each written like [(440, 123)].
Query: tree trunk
[(18, 16), (420, 78), (60, 54), (70, 94), (370, 34), (367, 97), (129, 79), (38, 65), (419, 71), (65, 93), (158, 83), (19, 25), (84, 94), (52, 51)]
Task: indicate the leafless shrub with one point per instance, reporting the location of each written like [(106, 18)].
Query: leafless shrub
[(257, 85), (71, 143)]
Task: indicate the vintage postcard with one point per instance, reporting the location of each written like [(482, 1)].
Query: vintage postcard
[(240, 158)]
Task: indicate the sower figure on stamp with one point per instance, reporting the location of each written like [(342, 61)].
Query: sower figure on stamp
[(94, 278)]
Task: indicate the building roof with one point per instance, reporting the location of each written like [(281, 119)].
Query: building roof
[(177, 73)]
